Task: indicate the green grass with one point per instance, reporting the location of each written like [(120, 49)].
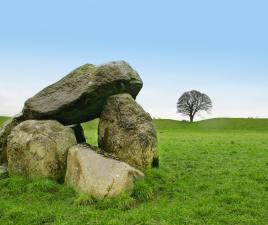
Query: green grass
[(211, 172), (3, 119)]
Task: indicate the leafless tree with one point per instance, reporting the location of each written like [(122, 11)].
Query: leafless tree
[(192, 102)]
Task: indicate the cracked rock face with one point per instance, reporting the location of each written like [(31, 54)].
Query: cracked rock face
[(98, 176), (80, 95), (128, 132), (39, 149)]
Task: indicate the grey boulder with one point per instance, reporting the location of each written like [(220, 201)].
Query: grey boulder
[(80, 95), (39, 149), (128, 132), (4, 132), (91, 173)]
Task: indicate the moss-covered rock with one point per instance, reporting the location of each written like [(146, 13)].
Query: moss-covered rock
[(79, 96), (4, 132), (39, 149), (127, 131)]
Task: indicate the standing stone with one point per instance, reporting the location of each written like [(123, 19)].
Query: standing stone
[(98, 176), (79, 97), (127, 131), (79, 133), (39, 149), (3, 171), (4, 132)]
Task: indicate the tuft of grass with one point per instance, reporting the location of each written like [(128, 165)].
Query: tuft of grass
[(122, 202), (85, 200), (13, 185), (142, 191), (43, 185)]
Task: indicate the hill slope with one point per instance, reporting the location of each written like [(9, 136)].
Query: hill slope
[(216, 124)]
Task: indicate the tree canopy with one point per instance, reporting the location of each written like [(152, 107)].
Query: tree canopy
[(192, 102)]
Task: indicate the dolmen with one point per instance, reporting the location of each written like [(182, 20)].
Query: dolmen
[(47, 139)]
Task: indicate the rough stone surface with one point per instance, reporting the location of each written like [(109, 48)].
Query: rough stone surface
[(127, 131), (79, 96), (79, 133), (96, 175), (4, 132), (3, 171), (39, 149)]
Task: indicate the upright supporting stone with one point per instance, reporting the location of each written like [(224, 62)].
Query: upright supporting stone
[(127, 131), (79, 133)]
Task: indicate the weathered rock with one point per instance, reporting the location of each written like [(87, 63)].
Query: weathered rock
[(3, 171), (4, 132), (96, 175), (127, 131), (79, 133), (79, 96), (39, 149)]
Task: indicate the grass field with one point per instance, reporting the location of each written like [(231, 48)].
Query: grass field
[(211, 172)]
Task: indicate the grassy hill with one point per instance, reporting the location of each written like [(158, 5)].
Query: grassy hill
[(211, 172), (220, 124)]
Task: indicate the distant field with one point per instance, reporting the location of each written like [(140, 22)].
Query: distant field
[(211, 172), (3, 119)]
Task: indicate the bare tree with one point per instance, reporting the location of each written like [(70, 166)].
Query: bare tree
[(192, 102)]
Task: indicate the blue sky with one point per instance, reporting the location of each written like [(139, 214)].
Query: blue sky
[(217, 47)]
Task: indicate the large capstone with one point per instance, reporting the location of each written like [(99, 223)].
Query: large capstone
[(79, 96), (4, 132), (127, 131), (98, 176), (39, 149)]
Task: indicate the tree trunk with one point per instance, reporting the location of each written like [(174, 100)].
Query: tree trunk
[(191, 119)]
